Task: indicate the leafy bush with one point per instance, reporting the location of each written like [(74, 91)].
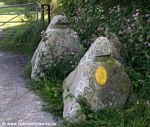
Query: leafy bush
[(60, 67), (129, 20), (140, 88)]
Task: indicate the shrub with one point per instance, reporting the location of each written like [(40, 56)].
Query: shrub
[(129, 20)]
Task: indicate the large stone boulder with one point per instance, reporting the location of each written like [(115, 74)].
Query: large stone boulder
[(99, 79), (58, 41)]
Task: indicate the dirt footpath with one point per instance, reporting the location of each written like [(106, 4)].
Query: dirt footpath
[(17, 103)]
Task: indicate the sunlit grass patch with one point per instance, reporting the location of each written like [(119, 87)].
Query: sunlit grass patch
[(6, 18), (1, 3), (13, 16)]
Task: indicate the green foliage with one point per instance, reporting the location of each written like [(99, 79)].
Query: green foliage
[(129, 20), (140, 85), (136, 116), (27, 40), (60, 67), (136, 113), (28, 69), (51, 92)]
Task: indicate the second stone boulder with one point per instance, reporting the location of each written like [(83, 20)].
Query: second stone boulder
[(58, 41)]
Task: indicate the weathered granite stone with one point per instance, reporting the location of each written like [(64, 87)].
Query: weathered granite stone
[(58, 40), (82, 83)]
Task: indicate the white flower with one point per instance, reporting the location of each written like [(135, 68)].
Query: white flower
[(148, 103), (137, 102)]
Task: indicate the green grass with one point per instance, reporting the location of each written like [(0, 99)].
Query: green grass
[(15, 11), (11, 10), (20, 37), (25, 42)]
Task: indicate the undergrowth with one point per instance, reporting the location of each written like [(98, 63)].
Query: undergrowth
[(137, 116), (129, 20), (26, 41), (49, 89), (51, 92)]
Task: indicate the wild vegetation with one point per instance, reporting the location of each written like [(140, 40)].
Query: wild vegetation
[(129, 20), (23, 43)]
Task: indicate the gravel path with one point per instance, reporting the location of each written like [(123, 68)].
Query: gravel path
[(17, 103)]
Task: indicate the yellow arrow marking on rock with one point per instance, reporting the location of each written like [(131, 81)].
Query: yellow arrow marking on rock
[(101, 75)]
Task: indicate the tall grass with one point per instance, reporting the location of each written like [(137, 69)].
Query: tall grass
[(26, 41)]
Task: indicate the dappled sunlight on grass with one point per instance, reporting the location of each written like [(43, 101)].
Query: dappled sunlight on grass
[(22, 39), (5, 18), (1, 3), (15, 14)]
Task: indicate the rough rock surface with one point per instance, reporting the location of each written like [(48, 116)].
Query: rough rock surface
[(17, 103), (82, 83), (58, 40)]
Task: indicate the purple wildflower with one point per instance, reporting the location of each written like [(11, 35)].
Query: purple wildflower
[(147, 44)]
